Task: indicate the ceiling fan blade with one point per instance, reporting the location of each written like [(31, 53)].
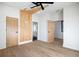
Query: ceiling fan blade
[(46, 2), (41, 6), (35, 6), (34, 2)]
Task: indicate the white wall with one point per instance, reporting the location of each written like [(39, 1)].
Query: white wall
[(43, 31), (57, 15), (71, 27), (58, 33), (5, 11), (2, 29)]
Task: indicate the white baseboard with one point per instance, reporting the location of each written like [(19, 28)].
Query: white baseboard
[(2, 48), (43, 40), (70, 48), (20, 43)]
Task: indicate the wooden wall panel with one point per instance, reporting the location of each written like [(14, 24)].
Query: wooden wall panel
[(25, 25), (37, 9)]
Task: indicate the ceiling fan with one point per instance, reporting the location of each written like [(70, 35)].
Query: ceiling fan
[(41, 4)]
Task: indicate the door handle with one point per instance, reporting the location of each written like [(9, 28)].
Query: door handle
[(16, 31), (48, 31)]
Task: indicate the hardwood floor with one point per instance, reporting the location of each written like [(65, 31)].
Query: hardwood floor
[(39, 49)]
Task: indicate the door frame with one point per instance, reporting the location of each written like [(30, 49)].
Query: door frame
[(17, 30), (32, 29)]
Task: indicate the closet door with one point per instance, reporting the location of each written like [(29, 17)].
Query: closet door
[(11, 31)]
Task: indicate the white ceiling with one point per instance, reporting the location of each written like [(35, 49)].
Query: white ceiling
[(19, 4), (59, 5), (52, 7)]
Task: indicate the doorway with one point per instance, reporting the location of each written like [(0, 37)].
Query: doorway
[(35, 31), (11, 31), (59, 29), (59, 32)]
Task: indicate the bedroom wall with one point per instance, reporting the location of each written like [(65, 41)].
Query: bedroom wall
[(71, 27), (5, 11)]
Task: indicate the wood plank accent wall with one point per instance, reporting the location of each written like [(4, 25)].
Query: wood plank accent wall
[(25, 25), (37, 9)]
